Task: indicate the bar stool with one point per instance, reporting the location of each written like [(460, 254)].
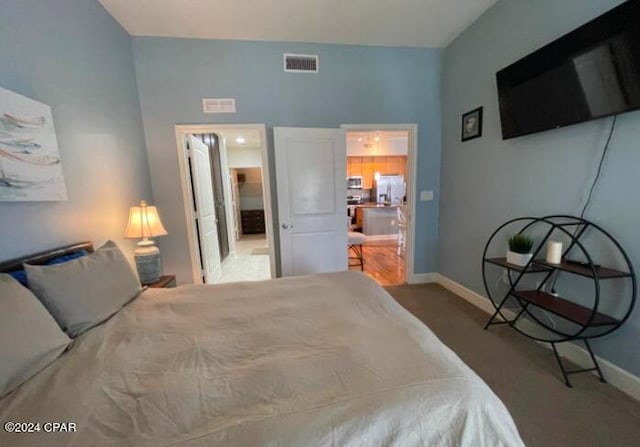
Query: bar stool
[(355, 241)]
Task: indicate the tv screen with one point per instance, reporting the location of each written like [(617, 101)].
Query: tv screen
[(592, 72)]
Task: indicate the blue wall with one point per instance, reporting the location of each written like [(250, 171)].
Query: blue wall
[(72, 55), (355, 85), (486, 181)]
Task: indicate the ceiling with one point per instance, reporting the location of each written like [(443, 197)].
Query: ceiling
[(241, 138), (381, 134), (411, 23)]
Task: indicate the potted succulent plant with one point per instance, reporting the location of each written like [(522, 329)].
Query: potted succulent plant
[(519, 252)]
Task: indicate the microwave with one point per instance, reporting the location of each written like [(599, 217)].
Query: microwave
[(354, 182)]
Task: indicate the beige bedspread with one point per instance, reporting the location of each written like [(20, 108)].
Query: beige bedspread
[(326, 360)]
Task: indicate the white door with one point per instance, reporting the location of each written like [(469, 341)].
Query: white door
[(311, 187), (205, 210)]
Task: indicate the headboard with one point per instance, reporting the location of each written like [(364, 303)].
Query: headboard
[(44, 256)]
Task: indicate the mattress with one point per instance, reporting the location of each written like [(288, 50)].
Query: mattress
[(322, 360)]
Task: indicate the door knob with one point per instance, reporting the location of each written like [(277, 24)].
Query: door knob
[(286, 226)]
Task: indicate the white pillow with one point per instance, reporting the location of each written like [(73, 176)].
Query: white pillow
[(30, 339), (86, 291)]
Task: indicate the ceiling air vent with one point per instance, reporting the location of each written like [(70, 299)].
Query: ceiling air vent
[(219, 105), (301, 63)]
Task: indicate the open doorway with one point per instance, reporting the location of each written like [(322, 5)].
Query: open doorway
[(236, 158), (380, 199), (250, 260)]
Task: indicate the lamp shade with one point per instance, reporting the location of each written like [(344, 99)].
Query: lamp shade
[(144, 222)]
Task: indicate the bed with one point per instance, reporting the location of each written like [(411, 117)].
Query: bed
[(321, 360)]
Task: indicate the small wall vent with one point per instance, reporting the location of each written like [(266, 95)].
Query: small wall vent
[(301, 63), (219, 105)]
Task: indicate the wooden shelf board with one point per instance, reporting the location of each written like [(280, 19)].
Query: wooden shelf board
[(566, 309), (533, 268), (582, 270)]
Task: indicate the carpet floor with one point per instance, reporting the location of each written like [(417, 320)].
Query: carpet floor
[(526, 377)]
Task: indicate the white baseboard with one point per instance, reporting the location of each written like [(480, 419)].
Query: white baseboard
[(422, 278), (616, 376), (468, 294)]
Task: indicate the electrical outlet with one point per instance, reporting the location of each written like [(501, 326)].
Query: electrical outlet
[(426, 195)]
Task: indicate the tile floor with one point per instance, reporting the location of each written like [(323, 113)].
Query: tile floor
[(382, 262), (242, 265)]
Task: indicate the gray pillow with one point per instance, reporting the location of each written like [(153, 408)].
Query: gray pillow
[(30, 339), (86, 291)]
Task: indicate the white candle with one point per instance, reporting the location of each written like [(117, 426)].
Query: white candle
[(554, 252)]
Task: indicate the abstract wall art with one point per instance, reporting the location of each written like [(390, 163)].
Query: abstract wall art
[(30, 165)]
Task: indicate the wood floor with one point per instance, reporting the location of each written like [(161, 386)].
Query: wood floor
[(382, 263)]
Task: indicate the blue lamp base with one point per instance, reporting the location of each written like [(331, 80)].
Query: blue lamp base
[(148, 263)]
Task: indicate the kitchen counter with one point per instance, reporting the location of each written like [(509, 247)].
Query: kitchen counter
[(377, 221), (376, 205)]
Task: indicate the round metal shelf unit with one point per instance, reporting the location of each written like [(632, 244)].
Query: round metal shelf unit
[(531, 305)]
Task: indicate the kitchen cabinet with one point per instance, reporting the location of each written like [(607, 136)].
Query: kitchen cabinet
[(354, 166), (368, 166), (367, 172), (379, 165), (395, 165)]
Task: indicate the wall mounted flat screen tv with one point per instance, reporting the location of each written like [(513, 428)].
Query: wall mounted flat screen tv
[(592, 72)]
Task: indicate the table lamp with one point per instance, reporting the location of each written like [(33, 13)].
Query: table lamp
[(144, 222)]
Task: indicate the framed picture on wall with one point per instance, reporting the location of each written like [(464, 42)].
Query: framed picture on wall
[(30, 166), (472, 124)]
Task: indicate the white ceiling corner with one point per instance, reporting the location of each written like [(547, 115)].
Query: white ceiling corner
[(406, 23)]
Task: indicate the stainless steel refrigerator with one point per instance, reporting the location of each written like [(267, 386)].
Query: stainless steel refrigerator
[(390, 189)]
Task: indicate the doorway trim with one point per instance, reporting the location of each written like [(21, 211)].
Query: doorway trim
[(181, 132), (412, 159)]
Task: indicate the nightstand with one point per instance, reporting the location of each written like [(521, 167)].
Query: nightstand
[(165, 282)]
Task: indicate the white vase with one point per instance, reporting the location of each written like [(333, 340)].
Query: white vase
[(519, 259)]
